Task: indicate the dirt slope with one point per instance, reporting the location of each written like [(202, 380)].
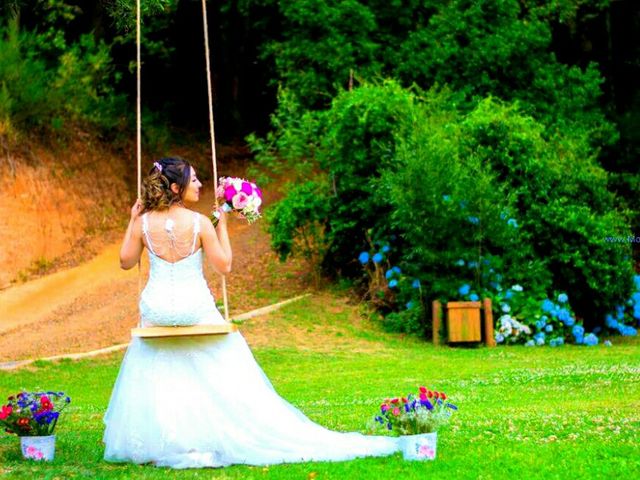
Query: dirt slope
[(94, 304)]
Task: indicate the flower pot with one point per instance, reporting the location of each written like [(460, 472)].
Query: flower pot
[(38, 448), (419, 447)]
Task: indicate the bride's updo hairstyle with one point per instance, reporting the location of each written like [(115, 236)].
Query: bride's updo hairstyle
[(156, 187)]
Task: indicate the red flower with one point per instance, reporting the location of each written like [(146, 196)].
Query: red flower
[(436, 394), (45, 403), (394, 401), (404, 400), (423, 390), (429, 393), (6, 411), (23, 422), (443, 396)]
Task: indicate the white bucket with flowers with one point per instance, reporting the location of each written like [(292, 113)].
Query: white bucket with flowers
[(416, 420)]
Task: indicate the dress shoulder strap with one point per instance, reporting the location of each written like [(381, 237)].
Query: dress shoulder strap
[(145, 232), (196, 230)]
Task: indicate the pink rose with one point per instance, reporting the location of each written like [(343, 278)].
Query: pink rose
[(240, 201)]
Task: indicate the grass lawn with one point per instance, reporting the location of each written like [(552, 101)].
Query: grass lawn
[(567, 412)]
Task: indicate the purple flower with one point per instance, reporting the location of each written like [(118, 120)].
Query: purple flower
[(229, 193)]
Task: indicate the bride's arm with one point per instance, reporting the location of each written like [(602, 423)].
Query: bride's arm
[(132, 243), (215, 242)]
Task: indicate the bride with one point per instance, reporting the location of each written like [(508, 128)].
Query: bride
[(188, 402)]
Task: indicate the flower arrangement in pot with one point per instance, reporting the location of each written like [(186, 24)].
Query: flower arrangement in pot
[(416, 419), (33, 416)]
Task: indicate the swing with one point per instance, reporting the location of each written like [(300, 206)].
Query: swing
[(195, 330)]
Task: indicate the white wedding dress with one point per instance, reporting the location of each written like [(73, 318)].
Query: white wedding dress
[(189, 402)]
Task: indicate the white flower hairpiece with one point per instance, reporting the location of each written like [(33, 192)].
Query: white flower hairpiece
[(158, 166)]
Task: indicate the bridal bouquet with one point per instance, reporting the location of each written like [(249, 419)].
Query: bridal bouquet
[(33, 414), (241, 196), (412, 415)]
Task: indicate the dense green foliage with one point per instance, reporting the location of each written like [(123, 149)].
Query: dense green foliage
[(49, 82), (527, 413), (477, 48), (482, 188)]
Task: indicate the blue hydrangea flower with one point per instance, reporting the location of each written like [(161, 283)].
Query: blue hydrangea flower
[(446, 198), (364, 258), (386, 248), (388, 274), (590, 340), (548, 328), (463, 204), (547, 305), (540, 324), (397, 270), (416, 283), (562, 298), (508, 295), (473, 297), (499, 338), (577, 331), (563, 315), (607, 343), (409, 305), (503, 215), (636, 297), (393, 283), (512, 223), (505, 308), (464, 289), (629, 331), (472, 265), (473, 220), (636, 280), (517, 288), (460, 263), (530, 343), (377, 258)]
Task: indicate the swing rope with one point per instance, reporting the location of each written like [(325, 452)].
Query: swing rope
[(212, 134), (211, 124)]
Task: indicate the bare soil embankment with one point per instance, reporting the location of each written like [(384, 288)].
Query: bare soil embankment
[(66, 217)]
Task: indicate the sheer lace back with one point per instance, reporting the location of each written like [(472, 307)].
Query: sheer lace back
[(171, 237)]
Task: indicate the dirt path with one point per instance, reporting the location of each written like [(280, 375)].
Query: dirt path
[(94, 305)]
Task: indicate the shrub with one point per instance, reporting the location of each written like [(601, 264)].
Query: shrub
[(481, 198)]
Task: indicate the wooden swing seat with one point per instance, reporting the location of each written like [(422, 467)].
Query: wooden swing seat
[(195, 330)]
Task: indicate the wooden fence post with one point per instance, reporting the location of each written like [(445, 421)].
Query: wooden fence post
[(489, 338), (436, 315)]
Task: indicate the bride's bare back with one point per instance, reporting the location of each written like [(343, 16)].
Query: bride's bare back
[(172, 234)]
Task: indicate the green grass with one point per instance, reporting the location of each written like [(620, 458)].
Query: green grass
[(567, 412)]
